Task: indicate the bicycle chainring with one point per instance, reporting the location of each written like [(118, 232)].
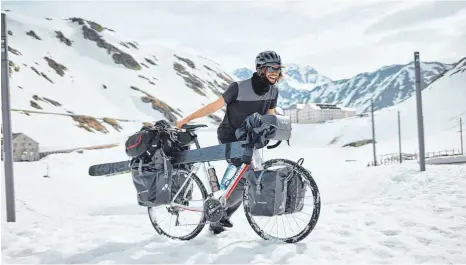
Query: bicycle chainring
[(213, 210)]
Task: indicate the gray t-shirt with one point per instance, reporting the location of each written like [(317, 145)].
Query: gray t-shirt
[(242, 101)]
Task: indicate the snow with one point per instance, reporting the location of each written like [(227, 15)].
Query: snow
[(459, 159), (386, 214), (393, 214)]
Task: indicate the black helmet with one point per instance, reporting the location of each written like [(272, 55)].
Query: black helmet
[(268, 58)]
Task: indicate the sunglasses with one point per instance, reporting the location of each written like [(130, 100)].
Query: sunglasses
[(271, 69)]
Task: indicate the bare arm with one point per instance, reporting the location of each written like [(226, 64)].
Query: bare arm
[(204, 111), (271, 111)]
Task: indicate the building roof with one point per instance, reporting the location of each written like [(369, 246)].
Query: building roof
[(18, 134), (319, 106)]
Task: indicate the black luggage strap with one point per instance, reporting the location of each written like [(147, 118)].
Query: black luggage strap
[(228, 150)]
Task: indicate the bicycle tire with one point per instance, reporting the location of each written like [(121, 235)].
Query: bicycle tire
[(315, 193), (202, 221)]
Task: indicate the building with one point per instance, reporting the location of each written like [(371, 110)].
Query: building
[(24, 148), (317, 112)]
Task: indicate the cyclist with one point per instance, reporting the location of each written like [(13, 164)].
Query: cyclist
[(243, 98)]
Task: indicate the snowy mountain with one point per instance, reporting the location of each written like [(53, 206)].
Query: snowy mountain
[(92, 85), (388, 86)]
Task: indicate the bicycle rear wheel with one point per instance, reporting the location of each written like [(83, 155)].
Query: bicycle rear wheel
[(293, 236), (189, 218)]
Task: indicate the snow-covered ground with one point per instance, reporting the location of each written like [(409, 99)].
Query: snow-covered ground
[(388, 214)]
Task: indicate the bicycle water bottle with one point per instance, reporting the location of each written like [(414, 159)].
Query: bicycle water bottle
[(227, 176)]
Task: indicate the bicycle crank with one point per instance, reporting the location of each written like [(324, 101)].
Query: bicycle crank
[(213, 210)]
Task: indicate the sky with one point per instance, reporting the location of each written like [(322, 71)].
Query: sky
[(338, 38)]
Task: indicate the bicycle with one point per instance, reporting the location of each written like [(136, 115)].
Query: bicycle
[(214, 203)]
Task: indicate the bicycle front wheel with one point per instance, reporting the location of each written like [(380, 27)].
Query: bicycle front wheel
[(296, 225)]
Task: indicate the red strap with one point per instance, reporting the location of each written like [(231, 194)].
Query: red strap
[(137, 143)]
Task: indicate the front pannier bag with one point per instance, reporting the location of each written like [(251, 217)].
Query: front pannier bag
[(267, 191), (296, 192)]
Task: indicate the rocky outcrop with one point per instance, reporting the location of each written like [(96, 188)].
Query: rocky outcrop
[(126, 60), (53, 102), (14, 51), (46, 100), (113, 123), (59, 68), (159, 105), (150, 61), (35, 104), (10, 32), (359, 143), (13, 66), (186, 60), (46, 77), (33, 34), (35, 70), (192, 81), (94, 25), (118, 56), (62, 38), (148, 80), (133, 44), (89, 123)]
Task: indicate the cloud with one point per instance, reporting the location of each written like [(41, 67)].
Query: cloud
[(339, 38), (416, 15)]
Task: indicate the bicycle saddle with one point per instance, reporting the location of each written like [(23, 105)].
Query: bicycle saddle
[(192, 126)]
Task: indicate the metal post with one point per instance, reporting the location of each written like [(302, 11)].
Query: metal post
[(7, 135), (373, 132), (461, 135), (399, 138), (420, 118)]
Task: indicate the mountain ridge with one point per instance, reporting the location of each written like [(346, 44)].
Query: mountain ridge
[(387, 85)]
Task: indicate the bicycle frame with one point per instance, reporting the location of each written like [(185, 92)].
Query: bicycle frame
[(223, 195)]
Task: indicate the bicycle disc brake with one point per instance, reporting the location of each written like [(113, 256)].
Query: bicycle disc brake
[(213, 210)]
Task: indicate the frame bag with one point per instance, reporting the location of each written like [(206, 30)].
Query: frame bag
[(267, 191)]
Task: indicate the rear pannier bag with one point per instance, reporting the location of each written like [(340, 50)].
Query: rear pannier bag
[(296, 192), (140, 142), (267, 191), (153, 180)]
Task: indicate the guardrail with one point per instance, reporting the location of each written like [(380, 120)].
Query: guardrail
[(394, 158)]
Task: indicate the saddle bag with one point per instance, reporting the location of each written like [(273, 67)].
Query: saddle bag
[(142, 142)]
